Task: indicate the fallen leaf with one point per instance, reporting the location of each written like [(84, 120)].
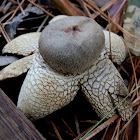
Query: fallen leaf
[(132, 25), (101, 3), (11, 28), (5, 60)]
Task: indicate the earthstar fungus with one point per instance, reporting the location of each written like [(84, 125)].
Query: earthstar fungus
[(73, 52)]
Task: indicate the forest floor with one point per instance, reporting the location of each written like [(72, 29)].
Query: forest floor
[(77, 118)]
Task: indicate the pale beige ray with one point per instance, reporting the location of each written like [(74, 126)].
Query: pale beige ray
[(23, 45), (104, 88), (17, 68)]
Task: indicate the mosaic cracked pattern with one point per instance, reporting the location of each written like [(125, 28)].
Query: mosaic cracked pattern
[(45, 91)]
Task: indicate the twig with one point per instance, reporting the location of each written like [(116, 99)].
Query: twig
[(83, 5), (138, 64), (68, 127), (139, 122), (4, 33), (105, 7), (93, 5), (133, 88), (125, 71), (101, 127), (56, 131), (15, 11), (13, 1), (60, 129), (136, 87), (136, 101), (129, 121), (66, 7), (41, 8), (77, 125), (132, 78), (30, 4), (131, 63), (119, 9), (53, 135), (3, 5), (116, 129), (110, 41), (21, 8), (92, 9), (105, 133), (5, 9), (42, 24), (84, 132), (5, 16)]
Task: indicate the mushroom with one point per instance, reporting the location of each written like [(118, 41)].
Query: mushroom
[(72, 52)]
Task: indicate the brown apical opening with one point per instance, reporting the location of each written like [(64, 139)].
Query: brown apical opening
[(73, 28)]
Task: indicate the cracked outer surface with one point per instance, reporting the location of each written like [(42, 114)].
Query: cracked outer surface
[(104, 89), (45, 91)]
